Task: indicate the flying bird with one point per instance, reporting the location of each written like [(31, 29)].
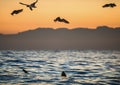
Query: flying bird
[(16, 11), (31, 6), (109, 5), (61, 20)]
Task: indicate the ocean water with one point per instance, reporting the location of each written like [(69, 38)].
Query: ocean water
[(82, 67)]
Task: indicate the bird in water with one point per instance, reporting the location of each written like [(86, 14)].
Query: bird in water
[(63, 74), (109, 5), (61, 20), (24, 70), (31, 6), (16, 11)]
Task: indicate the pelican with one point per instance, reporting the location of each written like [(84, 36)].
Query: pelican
[(109, 5), (16, 11), (31, 6), (61, 20)]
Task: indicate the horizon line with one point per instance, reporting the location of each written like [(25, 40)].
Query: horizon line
[(105, 26)]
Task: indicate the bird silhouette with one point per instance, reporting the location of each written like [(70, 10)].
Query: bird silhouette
[(16, 11), (63, 74), (61, 20), (109, 5), (31, 6), (24, 70)]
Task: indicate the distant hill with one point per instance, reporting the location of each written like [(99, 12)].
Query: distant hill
[(101, 38)]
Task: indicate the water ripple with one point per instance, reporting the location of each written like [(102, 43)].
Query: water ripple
[(82, 67)]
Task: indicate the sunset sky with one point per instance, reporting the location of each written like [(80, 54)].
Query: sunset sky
[(80, 13)]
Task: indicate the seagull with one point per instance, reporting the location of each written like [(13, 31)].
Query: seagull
[(63, 74), (61, 20), (109, 5), (24, 70), (31, 6), (16, 11)]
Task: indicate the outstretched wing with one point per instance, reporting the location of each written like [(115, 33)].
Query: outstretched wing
[(65, 21), (112, 5), (57, 19), (33, 4), (13, 12), (22, 3), (20, 10), (36, 1), (106, 5)]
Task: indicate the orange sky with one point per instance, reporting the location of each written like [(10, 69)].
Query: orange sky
[(80, 13)]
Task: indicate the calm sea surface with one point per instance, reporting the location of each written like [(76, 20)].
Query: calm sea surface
[(88, 67)]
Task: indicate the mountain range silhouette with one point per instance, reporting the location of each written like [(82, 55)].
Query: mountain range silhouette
[(101, 38)]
